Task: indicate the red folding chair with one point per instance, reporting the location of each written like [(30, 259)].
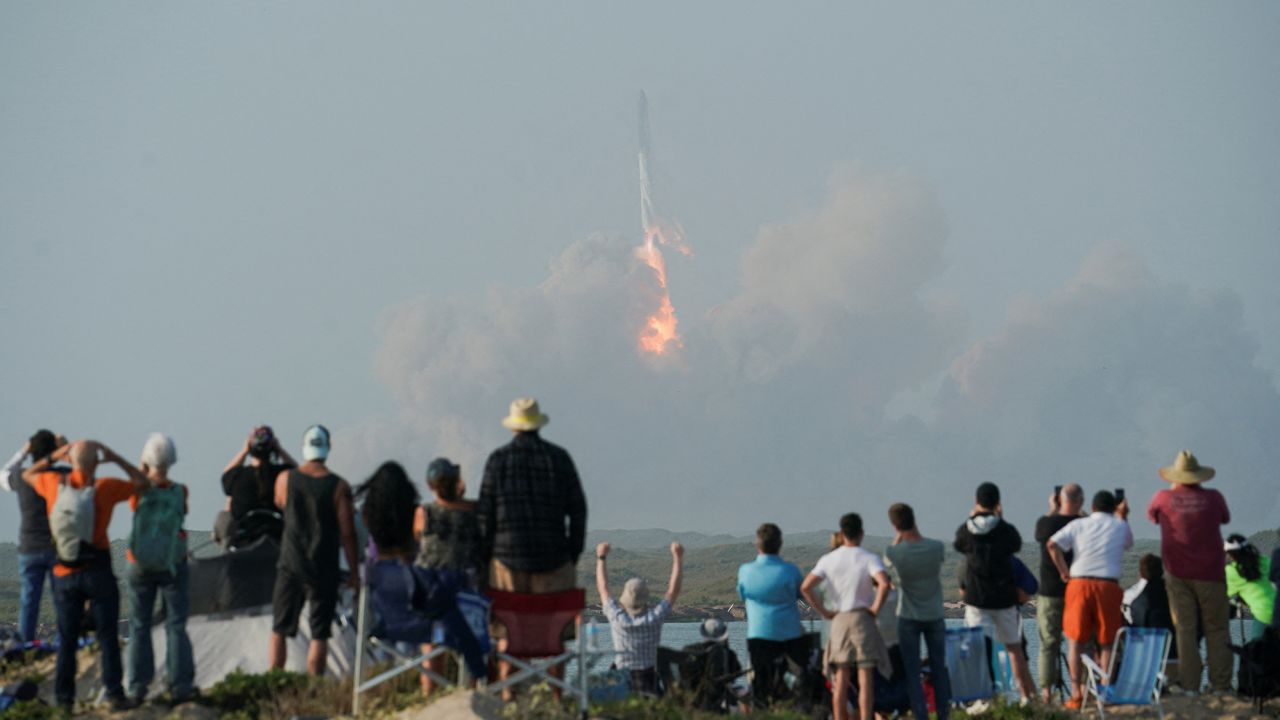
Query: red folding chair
[(535, 623)]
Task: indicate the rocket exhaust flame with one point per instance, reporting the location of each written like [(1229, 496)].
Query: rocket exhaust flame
[(659, 333)]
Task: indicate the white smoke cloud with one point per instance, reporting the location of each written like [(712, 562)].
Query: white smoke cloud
[(1104, 381), (776, 407)]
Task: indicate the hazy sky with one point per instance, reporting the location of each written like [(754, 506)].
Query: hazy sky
[(932, 245)]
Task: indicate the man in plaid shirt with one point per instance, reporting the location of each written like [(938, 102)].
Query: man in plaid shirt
[(637, 627), (533, 515)]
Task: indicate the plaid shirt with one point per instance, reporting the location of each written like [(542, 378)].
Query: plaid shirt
[(530, 489), (635, 639)]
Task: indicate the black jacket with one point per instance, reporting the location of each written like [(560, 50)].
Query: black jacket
[(988, 545)]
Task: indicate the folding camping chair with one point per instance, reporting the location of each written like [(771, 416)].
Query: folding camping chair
[(968, 665), (396, 592), (535, 622), (1136, 675)]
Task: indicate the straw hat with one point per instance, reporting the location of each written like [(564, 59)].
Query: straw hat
[(1186, 470), (524, 415)]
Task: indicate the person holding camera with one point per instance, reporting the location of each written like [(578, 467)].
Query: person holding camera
[(250, 511)]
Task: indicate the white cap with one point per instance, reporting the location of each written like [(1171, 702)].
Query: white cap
[(315, 443)]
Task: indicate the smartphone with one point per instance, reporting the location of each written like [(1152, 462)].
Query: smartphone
[(1119, 495)]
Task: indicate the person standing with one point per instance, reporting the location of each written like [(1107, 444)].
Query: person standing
[(988, 544), (1064, 507), (916, 564), (1190, 517), (36, 556), (157, 560), (318, 519), (635, 625), (533, 514), (250, 511), (857, 586), (83, 572), (1094, 600), (770, 587)]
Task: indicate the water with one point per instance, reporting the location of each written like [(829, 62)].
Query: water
[(677, 635)]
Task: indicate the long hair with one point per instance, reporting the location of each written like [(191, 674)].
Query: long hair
[(389, 502), (1247, 559)]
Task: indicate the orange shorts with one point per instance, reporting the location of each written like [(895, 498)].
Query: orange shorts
[(1092, 608)]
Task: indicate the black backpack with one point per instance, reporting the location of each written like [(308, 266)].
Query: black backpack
[(1260, 667)]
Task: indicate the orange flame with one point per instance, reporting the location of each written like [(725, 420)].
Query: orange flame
[(659, 333)]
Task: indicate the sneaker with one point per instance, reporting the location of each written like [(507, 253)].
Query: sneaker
[(120, 703), (978, 707), (1073, 703), (173, 700)]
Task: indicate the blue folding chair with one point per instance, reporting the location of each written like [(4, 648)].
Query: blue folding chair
[(414, 606), (967, 664), (1136, 675)]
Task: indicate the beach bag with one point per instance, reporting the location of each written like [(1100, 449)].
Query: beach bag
[(1259, 675), (71, 523), (156, 540)]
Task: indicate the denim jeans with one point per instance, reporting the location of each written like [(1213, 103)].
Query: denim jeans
[(142, 589), (34, 568), (934, 633), (95, 584)]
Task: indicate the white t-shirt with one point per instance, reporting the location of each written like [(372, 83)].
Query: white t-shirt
[(849, 572), (1099, 542)]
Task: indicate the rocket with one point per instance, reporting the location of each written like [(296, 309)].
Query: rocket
[(648, 215)]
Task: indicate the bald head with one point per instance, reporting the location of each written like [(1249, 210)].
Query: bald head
[(1071, 499), (83, 456)]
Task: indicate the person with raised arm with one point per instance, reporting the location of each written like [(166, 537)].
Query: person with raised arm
[(36, 556), (80, 505), (989, 544), (250, 511), (635, 625)]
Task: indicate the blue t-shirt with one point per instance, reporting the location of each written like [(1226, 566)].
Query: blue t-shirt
[(770, 586)]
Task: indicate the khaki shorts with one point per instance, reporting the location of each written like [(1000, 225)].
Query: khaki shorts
[(855, 642), (506, 579)]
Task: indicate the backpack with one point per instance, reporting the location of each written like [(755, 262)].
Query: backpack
[(156, 540), (1259, 675), (71, 523)]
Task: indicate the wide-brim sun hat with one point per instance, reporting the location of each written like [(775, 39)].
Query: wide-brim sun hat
[(1186, 470), (524, 415)]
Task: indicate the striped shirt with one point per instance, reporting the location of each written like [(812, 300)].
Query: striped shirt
[(635, 639)]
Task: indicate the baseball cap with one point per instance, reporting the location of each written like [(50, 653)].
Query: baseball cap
[(315, 443), (441, 467)]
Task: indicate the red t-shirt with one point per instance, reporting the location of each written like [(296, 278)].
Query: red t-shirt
[(1190, 519), (107, 493)]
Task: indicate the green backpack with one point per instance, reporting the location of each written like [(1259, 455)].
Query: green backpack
[(156, 540)]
